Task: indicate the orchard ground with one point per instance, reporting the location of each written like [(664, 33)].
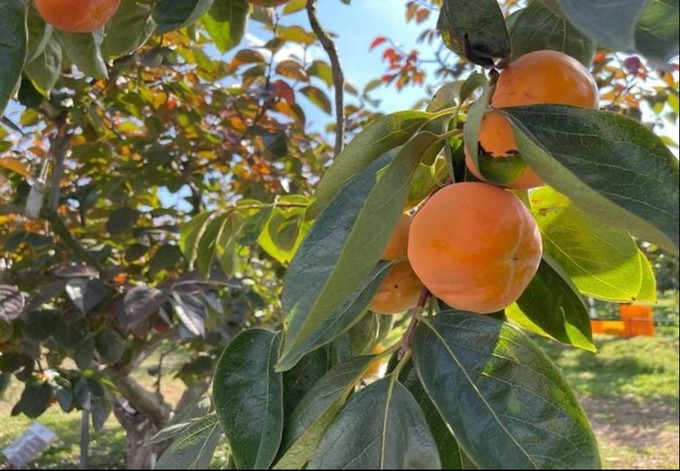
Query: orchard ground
[(629, 391)]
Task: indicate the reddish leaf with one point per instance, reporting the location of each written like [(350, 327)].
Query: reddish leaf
[(377, 42)]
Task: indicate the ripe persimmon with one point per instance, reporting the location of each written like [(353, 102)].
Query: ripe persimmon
[(475, 246), (77, 16), (401, 289), (539, 77)]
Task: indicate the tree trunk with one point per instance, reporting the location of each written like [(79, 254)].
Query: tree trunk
[(138, 430)]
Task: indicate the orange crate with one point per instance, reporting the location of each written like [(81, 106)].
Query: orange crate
[(638, 320), (608, 327)]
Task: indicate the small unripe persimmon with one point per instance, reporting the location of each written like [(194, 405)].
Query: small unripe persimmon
[(475, 246), (401, 289), (77, 16), (539, 77)]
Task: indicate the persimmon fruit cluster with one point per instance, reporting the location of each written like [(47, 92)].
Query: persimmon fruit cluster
[(77, 16), (539, 77), (401, 288)]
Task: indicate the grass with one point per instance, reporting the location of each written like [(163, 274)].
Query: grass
[(629, 390)]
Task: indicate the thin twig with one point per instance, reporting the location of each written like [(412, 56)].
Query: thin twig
[(338, 75)]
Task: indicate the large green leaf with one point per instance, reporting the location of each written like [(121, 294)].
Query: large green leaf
[(248, 397), (226, 22), (647, 291), (602, 261), (39, 34), (368, 331), (128, 29), (299, 380), (450, 454), (551, 306), (537, 28), (13, 43), (317, 409), (505, 401), (344, 316), (84, 50), (656, 34), (609, 22), (174, 14), (194, 447), (387, 133), (381, 427), (342, 248), (612, 167), (44, 70), (474, 29)]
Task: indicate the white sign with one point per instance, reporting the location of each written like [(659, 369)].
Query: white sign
[(29, 445)]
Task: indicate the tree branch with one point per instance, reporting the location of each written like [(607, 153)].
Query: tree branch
[(60, 229), (58, 148), (148, 403), (338, 75)]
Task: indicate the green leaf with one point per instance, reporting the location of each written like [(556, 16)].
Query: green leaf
[(191, 235), (387, 133), (128, 29), (473, 123), (301, 379), (195, 446), (450, 454), (110, 345), (656, 34), (318, 97), (248, 396), (647, 291), (227, 22), (505, 401), (537, 28), (283, 233), (611, 166), (39, 34), (174, 14), (474, 29), (321, 70), (35, 399), (208, 242), (367, 332), (44, 71), (551, 306), (84, 51), (121, 220), (609, 22), (342, 247), (13, 44), (343, 316), (380, 427), (601, 261), (317, 409)]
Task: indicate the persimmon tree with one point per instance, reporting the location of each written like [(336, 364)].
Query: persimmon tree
[(265, 273)]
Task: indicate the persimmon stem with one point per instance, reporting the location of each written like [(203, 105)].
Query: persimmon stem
[(410, 330)]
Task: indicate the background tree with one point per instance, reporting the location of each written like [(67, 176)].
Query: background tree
[(99, 272)]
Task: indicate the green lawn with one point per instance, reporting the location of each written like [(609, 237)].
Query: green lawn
[(629, 389)]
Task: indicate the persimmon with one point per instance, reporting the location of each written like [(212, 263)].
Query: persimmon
[(539, 77), (475, 246), (77, 16), (401, 288)]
